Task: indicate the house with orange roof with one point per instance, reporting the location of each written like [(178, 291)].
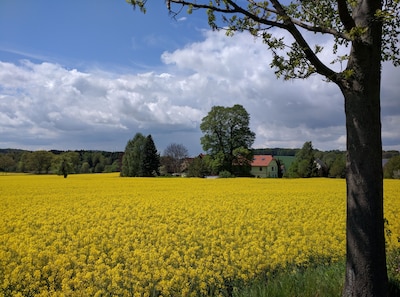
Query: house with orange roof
[(264, 166)]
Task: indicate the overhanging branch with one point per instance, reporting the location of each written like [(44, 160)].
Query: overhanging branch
[(232, 9), (345, 16), (321, 29), (320, 67), (283, 21)]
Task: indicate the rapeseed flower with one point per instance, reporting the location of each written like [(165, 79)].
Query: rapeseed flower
[(94, 235)]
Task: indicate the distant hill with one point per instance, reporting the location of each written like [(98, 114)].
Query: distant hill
[(11, 150), (275, 151), (389, 154)]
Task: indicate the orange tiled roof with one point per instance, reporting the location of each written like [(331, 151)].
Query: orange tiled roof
[(261, 160)]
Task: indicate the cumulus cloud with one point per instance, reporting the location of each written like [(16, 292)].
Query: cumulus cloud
[(50, 106)]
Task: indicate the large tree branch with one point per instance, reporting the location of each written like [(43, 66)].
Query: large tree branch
[(283, 21), (235, 8), (303, 25), (320, 67), (256, 17), (200, 6), (345, 16), (321, 29), (265, 8), (228, 10)]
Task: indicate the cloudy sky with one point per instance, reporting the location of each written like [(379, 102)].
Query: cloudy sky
[(91, 74)]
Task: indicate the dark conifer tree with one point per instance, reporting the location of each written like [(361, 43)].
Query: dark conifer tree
[(151, 159)]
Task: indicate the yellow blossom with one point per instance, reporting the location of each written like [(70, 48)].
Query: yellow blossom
[(94, 235)]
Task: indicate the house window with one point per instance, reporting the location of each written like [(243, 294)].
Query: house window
[(260, 168), (272, 168)]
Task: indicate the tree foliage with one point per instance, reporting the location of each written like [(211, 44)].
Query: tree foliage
[(304, 163), (242, 158), (298, 58), (199, 167), (40, 161), (7, 163), (151, 159), (225, 129), (82, 161), (66, 163), (392, 168), (338, 166), (140, 157), (133, 156)]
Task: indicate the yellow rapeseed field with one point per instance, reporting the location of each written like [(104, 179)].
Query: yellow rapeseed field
[(102, 235)]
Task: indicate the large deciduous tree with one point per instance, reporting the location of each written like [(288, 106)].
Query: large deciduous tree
[(40, 161), (7, 163), (370, 30), (66, 163), (304, 164), (133, 156), (226, 129)]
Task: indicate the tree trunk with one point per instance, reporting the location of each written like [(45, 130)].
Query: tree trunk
[(366, 273)]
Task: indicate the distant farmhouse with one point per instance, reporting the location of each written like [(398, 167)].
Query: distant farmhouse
[(270, 166), (264, 166)]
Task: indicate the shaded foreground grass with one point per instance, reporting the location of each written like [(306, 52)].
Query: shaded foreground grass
[(318, 281), (305, 282)]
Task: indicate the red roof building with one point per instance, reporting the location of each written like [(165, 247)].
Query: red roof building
[(264, 166)]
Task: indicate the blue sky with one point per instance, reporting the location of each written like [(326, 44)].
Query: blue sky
[(92, 33), (91, 74)]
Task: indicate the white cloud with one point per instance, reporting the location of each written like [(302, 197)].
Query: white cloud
[(53, 103), (48, 106)]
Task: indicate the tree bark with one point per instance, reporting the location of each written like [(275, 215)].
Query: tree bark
[(366, 273)]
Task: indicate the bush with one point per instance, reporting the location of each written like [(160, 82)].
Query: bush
[(225, 174)]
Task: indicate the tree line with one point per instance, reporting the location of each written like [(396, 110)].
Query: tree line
[(59, 162), (227, 144), (175, 160)]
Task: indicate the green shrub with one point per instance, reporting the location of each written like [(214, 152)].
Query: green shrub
[(225, 174)]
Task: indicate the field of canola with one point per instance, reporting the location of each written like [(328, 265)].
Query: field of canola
[(102, 235)]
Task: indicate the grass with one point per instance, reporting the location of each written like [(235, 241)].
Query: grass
[(306, 282), (319, 281)]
